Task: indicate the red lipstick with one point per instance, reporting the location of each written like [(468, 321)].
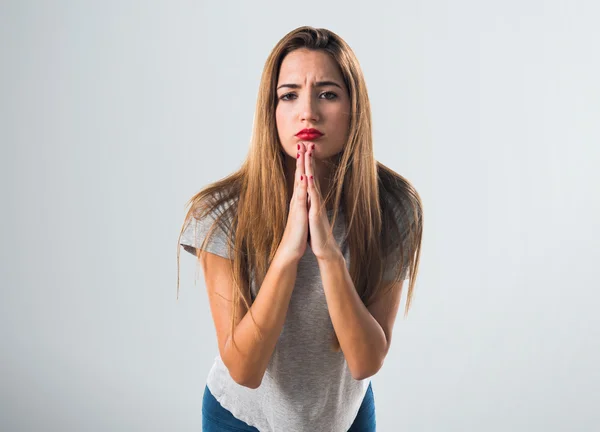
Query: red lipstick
[(309, 134)]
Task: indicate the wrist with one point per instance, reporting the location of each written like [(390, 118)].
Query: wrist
[(285, 260), (334, 256)]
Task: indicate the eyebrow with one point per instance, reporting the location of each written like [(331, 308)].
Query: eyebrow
[(317, 84)]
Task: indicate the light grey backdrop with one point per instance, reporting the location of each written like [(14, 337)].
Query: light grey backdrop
[(114, 113)]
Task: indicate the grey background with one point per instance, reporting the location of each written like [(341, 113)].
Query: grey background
[(113, 113)]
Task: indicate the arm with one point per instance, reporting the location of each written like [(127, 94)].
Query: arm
[(365, 334), (248, 364)]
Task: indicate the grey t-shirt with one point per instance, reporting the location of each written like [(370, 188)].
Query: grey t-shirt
[(306, 386)]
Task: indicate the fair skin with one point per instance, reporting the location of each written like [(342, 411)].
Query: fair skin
[(306, 104)]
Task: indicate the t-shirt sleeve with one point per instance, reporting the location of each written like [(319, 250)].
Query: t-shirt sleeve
[(198, 228), (392, 263)]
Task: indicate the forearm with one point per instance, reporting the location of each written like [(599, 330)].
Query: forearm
[(247, 363), (361, 338)]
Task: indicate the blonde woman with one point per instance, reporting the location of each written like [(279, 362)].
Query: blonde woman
[(304, 251)]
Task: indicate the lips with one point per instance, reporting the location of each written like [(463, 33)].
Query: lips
[(309, 134)]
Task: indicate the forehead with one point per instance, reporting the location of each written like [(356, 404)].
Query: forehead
[(304, 64)]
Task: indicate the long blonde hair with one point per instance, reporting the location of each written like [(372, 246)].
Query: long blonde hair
[(380, 206)]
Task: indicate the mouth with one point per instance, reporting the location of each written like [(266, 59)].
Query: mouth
[(309, 134)]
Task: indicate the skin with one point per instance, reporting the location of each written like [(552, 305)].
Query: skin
[(326, 108)]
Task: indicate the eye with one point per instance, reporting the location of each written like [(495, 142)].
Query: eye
[(283, 97), (330, 95), (333, 95)]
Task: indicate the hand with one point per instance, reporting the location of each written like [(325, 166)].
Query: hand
[(294, 240), (321, 239)]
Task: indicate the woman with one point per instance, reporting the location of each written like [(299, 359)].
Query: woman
[(302, 329)]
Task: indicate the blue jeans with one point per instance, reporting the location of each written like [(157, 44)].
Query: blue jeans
[(215, 418)]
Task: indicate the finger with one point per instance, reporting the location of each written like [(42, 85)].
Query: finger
[(314, 164), (309, 166), (299, 162), (301, 175), (309, 162), (313, 196), (302, 157), (302, 185)]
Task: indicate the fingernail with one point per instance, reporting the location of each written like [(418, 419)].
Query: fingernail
[(301, 178), (297, 155), (298, 146), (311, 177), (313, 147), (310, 154)]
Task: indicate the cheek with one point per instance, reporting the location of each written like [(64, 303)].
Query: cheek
[(341, 124), (280, 119), (341, 120), (283, 129)]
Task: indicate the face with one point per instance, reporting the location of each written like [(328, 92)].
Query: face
[(311, 94)]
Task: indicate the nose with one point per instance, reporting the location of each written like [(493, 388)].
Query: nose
[(309, 109)]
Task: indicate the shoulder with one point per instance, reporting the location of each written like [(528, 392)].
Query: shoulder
[(398, 196), (209, 219), (213, 205)]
